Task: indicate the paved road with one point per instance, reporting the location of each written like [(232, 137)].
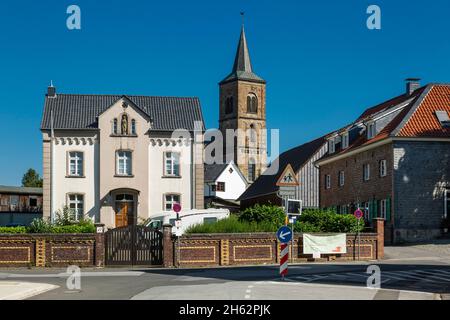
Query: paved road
[(414, 272), (317, 281)]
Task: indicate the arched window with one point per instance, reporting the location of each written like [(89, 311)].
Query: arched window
[(252, 103), (133, 127), (252, 133), (251, 170), (229, 105), (124, 124), (114, 128)]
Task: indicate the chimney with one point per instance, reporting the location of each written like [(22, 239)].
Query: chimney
[(412, 84), (51, 91)]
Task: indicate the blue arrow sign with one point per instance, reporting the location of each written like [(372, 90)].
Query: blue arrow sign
[(284, 234)]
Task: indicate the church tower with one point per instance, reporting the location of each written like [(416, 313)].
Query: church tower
[(243, 108)]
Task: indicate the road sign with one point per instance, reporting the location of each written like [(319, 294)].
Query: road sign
[(176, 207), (284, 234), (287, 178), (358, 213), (178, 223), (287, 192), (284, 256)]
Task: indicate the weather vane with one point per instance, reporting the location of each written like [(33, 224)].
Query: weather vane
[(242, 15)]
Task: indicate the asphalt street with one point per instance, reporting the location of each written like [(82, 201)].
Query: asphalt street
[(406, 272)]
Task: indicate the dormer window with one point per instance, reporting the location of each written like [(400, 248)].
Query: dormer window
[(331, 146), (371, 132), (443, 118), (345, 140)]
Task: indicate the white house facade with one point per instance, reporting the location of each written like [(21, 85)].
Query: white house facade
[(120, 159), (224, 181)]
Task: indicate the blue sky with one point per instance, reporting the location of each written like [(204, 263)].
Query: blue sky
[(322, 65)]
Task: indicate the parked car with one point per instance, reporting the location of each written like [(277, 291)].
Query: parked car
[(188, 218)]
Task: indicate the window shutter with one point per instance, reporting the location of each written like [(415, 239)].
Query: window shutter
[(375, 211), (388, 209)]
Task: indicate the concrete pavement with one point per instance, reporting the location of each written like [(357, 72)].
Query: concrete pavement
[(16, 290)]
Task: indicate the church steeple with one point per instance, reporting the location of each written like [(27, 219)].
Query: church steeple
[(242, 67), (242, 108)]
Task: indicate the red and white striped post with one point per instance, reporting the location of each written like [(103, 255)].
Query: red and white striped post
[(284, 256)]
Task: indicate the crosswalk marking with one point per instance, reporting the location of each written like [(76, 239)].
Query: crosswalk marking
[(409, 275), (434, 275)]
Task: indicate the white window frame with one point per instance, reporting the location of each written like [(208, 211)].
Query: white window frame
[(383, 168), (341, 178), (78, 203), (172, 164), (331, 146), (371, 130), (366, 171), (172, 201), (327, 181), (127, 165), (345, 140), (383, 208), (77, 157)]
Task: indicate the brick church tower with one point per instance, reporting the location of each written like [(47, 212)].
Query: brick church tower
[(243, 108)]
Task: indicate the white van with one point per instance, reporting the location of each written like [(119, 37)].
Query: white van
[(188, 218)]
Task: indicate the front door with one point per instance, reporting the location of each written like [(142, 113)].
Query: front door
[(122, 215), (124, 210)]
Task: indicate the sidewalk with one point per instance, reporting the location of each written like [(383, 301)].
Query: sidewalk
[(14, 290)]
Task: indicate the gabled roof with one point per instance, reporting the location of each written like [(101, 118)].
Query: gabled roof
[(78, 111), (417, 119), (213, 171), (297, 157), (242, 68)]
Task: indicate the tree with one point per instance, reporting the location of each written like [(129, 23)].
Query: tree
[(31, 179)]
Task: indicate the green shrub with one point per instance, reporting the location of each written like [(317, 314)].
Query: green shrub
[(264, 213), (233, 224), (13, 230), (40, 225), (45, 226), (65, 217), (327, 221)]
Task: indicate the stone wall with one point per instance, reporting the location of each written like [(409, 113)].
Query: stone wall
[(421, 175)]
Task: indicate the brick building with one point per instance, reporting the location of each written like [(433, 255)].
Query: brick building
[(394, 162)]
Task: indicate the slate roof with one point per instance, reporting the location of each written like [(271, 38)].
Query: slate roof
[(20, 190), (78, 111), (213, 171), (297, 157), (242, 68)]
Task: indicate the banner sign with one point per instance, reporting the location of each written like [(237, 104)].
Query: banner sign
[(325, 244)]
